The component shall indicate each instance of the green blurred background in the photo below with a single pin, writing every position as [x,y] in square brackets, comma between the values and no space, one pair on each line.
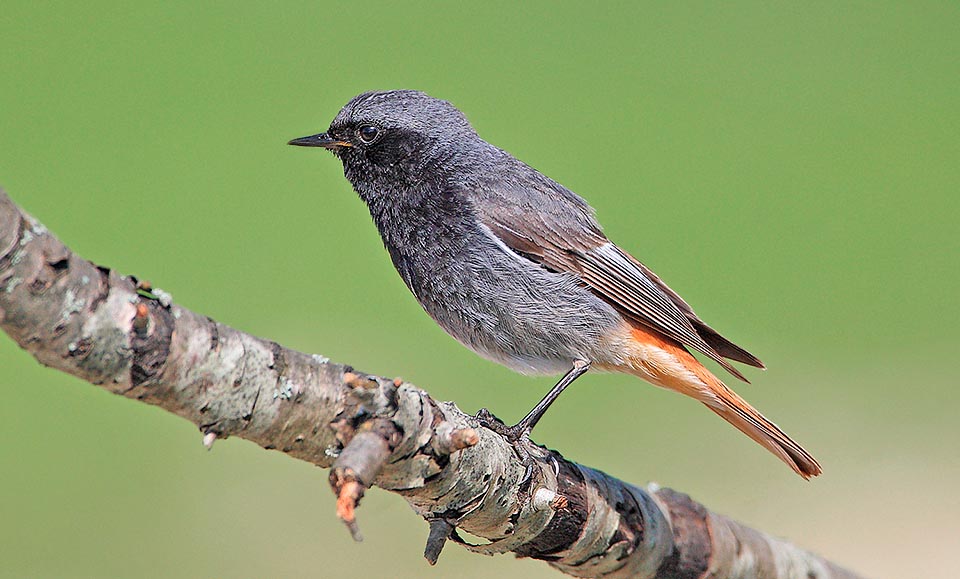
[792,171]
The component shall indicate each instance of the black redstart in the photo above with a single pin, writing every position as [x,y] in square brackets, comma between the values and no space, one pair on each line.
[515,266]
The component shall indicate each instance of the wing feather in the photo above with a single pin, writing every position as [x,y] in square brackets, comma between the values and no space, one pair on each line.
[553,227]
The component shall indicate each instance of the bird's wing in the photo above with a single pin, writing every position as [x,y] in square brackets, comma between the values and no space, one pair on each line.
[549,225]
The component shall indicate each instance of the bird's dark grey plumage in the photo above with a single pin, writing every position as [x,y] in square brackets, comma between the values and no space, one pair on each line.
[506,260]
[515,266]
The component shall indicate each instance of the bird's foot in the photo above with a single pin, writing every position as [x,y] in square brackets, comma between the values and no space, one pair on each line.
[517,435]
[514,434]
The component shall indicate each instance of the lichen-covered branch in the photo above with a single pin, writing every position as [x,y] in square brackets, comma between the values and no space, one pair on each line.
[119,333]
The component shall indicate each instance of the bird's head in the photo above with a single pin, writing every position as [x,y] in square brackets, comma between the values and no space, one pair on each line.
[393,139]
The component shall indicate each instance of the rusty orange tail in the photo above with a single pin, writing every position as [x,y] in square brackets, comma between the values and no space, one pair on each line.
[666,363]
[739,413]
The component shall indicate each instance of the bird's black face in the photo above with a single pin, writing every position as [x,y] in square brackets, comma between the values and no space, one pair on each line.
[388,140]
[378,152]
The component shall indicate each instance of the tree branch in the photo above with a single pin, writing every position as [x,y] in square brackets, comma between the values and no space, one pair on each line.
[118,333]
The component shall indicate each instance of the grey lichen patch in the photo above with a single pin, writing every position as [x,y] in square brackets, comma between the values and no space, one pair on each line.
[320,359]
[12,284]
[286,389]
[35,226]
[18,256]
[108,327]
[72,303]
[165,298]
[22,251]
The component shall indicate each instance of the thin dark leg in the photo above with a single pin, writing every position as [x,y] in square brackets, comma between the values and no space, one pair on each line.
[523,428]
[529,421]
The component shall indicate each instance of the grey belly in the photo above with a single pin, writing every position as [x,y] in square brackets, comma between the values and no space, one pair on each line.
[512,311]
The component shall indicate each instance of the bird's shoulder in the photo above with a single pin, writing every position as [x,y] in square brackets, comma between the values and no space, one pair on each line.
[529,210]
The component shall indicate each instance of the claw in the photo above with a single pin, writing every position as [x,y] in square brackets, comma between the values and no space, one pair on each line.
[514,433]
[488,420]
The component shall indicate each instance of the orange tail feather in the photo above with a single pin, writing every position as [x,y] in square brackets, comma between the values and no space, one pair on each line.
[666,363]
[739,413]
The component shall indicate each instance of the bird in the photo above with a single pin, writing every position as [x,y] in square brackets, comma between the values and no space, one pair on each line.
[516,266]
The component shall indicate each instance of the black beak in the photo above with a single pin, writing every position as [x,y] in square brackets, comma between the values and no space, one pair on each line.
[322,140]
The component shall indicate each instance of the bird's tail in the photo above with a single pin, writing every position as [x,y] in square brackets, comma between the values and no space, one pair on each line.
[735,410]
[666,363]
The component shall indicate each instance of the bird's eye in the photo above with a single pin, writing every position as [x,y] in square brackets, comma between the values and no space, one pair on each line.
[368,133]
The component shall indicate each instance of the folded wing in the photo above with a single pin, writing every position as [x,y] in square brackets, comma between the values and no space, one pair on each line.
[551,226]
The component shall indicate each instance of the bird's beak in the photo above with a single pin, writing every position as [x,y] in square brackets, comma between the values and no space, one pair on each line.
[322,140]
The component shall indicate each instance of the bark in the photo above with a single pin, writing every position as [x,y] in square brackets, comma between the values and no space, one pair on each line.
[119,333]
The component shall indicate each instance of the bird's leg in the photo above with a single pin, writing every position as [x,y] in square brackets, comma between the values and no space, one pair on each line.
[528,422]
[521,430]
[519,434]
